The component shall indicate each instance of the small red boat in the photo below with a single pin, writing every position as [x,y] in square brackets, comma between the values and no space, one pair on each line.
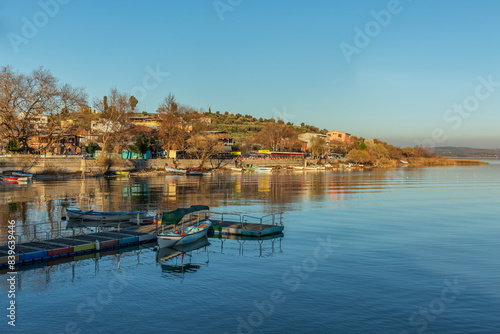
[13,179]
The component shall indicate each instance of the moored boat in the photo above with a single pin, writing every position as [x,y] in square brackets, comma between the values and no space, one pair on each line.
[120,173]
[104,216]
[175,170]
[13,179]
[263,169]
[22,174]
[184,235]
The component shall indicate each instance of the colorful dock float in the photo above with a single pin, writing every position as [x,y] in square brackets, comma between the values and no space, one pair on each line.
[244,225]
[244,229]
[78,245]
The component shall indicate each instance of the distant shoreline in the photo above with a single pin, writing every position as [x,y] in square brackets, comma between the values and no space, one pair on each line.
[471,157]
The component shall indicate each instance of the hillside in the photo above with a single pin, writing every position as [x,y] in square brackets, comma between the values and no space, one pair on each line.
[450,151]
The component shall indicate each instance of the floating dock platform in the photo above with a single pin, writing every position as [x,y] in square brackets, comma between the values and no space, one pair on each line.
[244,229]
[42,250]
[245,226]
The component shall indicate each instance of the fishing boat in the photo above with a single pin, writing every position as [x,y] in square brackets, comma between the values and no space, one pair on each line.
[318,167]
[22,174]
[263,169]
[120,173]
[184,235]
[236,169]
[13,179]
[104,216]
[175,170]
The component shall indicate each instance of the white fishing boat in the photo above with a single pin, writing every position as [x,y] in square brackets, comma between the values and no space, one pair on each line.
[22,174]
[184,235]
[236,169]
[175,170]
[263,169]
[104,216]
[318,167]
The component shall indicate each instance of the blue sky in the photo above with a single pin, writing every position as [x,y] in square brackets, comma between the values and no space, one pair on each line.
[282,59]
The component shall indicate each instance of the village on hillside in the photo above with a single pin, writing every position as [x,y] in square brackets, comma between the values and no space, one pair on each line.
[40,116]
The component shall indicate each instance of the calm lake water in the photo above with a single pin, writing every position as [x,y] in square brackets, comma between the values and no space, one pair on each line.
[381,251]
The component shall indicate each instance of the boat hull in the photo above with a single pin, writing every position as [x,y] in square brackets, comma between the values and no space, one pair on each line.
[167,241]
[104,216]
[192,234]
[13,179]
[22,174]
[174,170]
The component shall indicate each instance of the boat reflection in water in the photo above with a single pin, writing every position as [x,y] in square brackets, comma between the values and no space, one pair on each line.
[248,243]
[177,260]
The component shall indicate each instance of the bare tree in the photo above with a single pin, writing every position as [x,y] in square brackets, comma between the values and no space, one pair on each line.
[203,146]
[275,135]
[114,120]
[317,146]
[174,130]
[30,104]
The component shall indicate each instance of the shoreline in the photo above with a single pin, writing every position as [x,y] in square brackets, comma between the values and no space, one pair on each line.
[77,167]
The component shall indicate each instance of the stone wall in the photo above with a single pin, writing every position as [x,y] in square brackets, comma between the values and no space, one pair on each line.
[76,164]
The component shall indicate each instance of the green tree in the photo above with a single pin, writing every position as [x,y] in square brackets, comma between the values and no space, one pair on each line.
[105,103]
[133,102]
[142,144]
[12,146]
[92,147]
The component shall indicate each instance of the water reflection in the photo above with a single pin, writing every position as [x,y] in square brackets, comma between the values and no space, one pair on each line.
[178,260]
[46,201]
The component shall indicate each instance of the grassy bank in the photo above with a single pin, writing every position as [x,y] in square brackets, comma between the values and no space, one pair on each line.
[440,161]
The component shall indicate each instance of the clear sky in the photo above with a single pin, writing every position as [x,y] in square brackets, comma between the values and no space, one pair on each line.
[419,71]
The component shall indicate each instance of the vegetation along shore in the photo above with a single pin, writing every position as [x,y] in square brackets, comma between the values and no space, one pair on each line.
[41,118]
